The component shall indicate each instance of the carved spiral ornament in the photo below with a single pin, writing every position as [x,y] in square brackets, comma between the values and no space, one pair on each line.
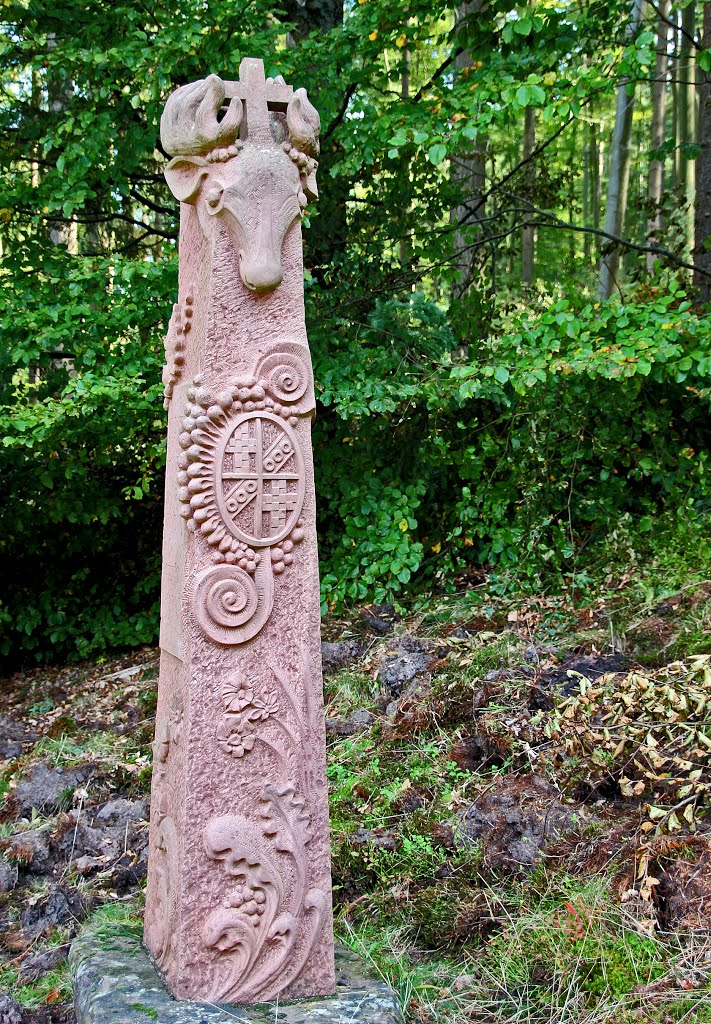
[286,376]
[230,604]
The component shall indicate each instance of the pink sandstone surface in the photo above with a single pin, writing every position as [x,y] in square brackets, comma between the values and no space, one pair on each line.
[239,891]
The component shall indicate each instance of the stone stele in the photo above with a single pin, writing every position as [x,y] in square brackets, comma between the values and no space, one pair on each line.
[239,889]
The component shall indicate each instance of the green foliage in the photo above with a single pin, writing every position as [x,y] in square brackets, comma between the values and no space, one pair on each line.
[455,427]
[559,426]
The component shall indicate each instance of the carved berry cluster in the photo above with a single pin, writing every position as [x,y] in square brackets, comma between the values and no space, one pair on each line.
[282,554]
[180,326]
[249,900]
[307,166]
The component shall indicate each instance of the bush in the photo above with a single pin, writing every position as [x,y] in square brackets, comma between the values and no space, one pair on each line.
[431,457]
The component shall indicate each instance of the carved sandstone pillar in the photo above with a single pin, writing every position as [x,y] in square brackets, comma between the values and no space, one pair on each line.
[239,891]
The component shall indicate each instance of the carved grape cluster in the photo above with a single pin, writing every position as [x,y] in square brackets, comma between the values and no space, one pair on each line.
[249,900]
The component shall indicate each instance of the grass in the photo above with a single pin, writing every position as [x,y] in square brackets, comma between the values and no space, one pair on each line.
[563,955]
[459,940]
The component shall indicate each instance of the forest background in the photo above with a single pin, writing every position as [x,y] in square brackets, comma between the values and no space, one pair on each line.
[507,287]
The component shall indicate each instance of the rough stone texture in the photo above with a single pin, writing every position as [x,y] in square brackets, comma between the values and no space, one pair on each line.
[45,789]
[31,852]
[356,722]
[338,654]
[37,964]
[116,983]
[10,1012]
[517,820]
[238,905]
[15,737]
[409,660]
[8,875]
[61,905]
[122,812]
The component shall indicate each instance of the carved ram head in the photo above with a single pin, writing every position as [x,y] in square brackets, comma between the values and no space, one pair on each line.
[259,187]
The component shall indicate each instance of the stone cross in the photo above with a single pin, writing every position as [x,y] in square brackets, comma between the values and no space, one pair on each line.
[238,905]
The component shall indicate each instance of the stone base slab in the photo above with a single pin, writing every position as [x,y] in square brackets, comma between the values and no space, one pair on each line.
[115,982]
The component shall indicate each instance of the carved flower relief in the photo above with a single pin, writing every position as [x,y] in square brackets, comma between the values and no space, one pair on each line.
[244,710]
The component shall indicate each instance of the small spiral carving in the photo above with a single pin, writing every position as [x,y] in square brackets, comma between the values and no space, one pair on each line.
[226,599]
[286,376]
[231,605]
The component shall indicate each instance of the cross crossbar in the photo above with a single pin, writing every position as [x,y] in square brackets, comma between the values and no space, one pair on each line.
[259,96]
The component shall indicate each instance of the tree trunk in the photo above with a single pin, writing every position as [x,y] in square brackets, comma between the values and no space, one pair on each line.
[655,184]
[527,241]
[59,95]
[328,241]
[586,194]
[405,94]
[468,170]
[702,224]
[686,87]
[594,169]
[676,96]
[619,170]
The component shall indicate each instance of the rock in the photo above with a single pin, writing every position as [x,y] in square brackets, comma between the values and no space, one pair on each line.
[15,737]
[39,963]
[113,975]
[8,875]
[517,820]
[369,837]
[31,852]
[336,655]
[410,660]
[45,789]
[122,812]
[61,905]
[361,719]
[592,666]
[86,865]
[356,722]
[77,839]
[379,618]
[10,1012]
[129,871]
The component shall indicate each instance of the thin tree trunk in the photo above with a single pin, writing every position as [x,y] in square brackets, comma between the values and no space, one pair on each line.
[571,203]
[405,95]
[527,240]
[468,170]
[59,96]
[702,222]
[619,172]
[655,184]
[586,194]
[687,109]
[594,169]
[677,96]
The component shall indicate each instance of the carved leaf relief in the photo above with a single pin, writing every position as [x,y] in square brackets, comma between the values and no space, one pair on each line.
[263,932]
